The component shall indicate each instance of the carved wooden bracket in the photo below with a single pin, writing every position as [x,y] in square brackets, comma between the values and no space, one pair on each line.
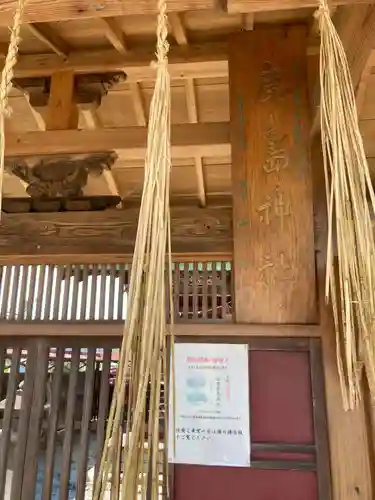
[52,177]
[89,89]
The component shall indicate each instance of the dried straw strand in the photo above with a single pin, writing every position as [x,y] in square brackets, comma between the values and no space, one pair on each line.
[143,359]
[6,84]
[350,283]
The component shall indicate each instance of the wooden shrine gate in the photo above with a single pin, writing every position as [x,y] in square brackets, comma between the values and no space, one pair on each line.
[56,387]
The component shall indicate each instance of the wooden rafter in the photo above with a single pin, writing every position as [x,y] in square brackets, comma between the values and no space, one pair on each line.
[47,35]
[179,32]
[204,139]
[115,34]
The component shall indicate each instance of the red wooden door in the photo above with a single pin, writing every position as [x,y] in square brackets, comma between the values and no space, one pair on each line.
[289,459]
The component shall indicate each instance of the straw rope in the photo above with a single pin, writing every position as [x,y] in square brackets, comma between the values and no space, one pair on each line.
[144,343]
[350,282]
[6,84]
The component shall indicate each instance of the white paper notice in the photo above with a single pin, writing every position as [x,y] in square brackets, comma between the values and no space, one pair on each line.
[211,405]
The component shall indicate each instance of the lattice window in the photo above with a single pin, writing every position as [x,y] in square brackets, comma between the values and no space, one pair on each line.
[201,292]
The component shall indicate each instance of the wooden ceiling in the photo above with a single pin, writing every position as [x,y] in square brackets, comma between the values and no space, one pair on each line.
[99,40]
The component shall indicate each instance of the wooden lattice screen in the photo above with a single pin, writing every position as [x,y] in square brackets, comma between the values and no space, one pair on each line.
[201,292]
[54,407]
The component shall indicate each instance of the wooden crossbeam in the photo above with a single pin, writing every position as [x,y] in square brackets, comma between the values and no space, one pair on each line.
[184,62]
[109,236]
[50,38]
[38,11]
[243,6]
[204,139]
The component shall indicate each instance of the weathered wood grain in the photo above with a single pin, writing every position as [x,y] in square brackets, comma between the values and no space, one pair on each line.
[195,60]
[243,6]
[108,236]
[350,456]
[45,11]
[62,112]
[271,178]
[225,331]
[187,140]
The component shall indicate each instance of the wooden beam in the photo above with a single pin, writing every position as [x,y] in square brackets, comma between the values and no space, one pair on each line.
[38,11]
[178,28]
[62,112]
[47,35]
[273,232]
[243,6]
[116,329]
[109,236]
[350,458]
[205,139]
[248,21]
[184,62]
[114,34]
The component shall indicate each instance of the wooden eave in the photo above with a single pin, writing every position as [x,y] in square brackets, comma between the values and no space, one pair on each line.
[95,41]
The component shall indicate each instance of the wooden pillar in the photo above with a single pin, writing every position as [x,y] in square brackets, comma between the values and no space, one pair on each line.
[273,223]
[348,432]
[272,192]
[62,111]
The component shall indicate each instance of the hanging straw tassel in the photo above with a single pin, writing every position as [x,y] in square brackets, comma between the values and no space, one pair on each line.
[143,358]
[6,84]
[350,198]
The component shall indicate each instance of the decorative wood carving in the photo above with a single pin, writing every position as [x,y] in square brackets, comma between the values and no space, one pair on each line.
[51,177]
[110,235]
[84,203]
[89,89]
